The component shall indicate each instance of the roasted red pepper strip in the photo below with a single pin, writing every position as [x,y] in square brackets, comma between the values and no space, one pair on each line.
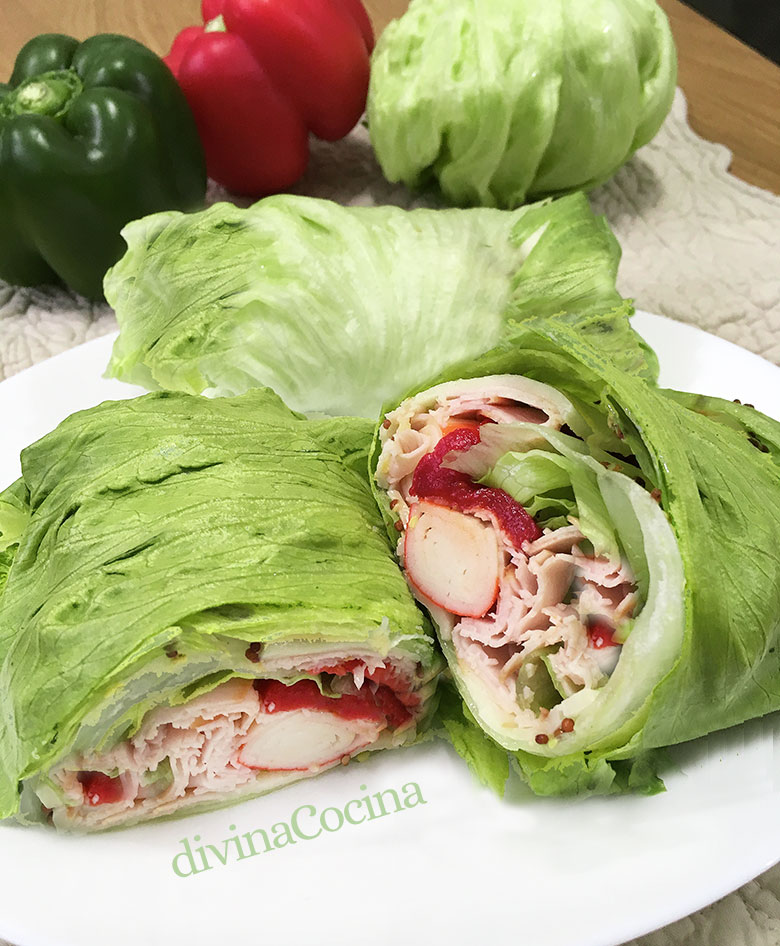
[100,789]
[262,74]
[601,634]
[277,697]
[456,490]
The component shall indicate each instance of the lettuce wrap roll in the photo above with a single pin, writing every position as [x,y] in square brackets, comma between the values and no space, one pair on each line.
[599,557]
[200,605]
[230,299]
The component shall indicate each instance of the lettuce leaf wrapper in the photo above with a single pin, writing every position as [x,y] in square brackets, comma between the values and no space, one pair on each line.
[174,543]
[508,99]
[339,309]
[486,759]
[713,467]
[760,431]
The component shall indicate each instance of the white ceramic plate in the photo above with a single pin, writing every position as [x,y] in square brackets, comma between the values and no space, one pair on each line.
[448,862]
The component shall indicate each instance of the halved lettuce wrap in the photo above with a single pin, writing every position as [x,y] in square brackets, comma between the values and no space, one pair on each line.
[340,308]
[599,558]
[202,605]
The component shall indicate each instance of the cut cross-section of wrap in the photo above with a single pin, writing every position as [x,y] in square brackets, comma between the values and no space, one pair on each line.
[604,578]
[549,575]
[201,605]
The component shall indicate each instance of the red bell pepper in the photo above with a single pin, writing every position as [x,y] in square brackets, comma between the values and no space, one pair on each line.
[261,74]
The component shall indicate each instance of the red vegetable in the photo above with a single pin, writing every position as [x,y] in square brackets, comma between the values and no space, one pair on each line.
[305,694]
[601,634]
[100,789]
[261,74]
[456,490]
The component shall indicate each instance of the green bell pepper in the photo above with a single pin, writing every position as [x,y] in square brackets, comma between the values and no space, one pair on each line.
[92,135]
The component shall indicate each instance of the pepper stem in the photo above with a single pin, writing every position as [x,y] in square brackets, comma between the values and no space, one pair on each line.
[48,94]
[217,25]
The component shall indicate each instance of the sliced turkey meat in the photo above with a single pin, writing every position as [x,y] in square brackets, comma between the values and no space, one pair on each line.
[241,738]
[532,614]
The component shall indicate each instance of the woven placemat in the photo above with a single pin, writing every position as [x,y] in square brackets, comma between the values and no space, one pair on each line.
[699,246]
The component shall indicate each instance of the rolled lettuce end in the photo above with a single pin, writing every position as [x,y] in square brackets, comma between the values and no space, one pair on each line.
[202,606]
[231,299]
[713,466]
[553,578]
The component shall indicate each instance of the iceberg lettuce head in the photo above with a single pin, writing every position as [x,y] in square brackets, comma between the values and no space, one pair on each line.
[520,99]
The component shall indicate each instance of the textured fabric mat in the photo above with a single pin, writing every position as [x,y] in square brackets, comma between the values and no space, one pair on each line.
[699,245]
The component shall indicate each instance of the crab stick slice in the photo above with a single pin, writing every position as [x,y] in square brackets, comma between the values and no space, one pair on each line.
[452,558]
[300,729]
[302,740]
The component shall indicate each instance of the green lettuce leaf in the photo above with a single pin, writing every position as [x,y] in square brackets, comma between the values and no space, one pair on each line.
[760,431]
[531,474]
[587,774]
[488,761]
[6,560]
[14,513]
[339,309]
[500,101]
[167,533]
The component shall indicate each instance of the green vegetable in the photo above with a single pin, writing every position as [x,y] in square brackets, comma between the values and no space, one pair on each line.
[231,299]
[168,533]
[529,476]
[506,100]
[760,431]
[488,762]
[722,497]
[92,135]
[537,676]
